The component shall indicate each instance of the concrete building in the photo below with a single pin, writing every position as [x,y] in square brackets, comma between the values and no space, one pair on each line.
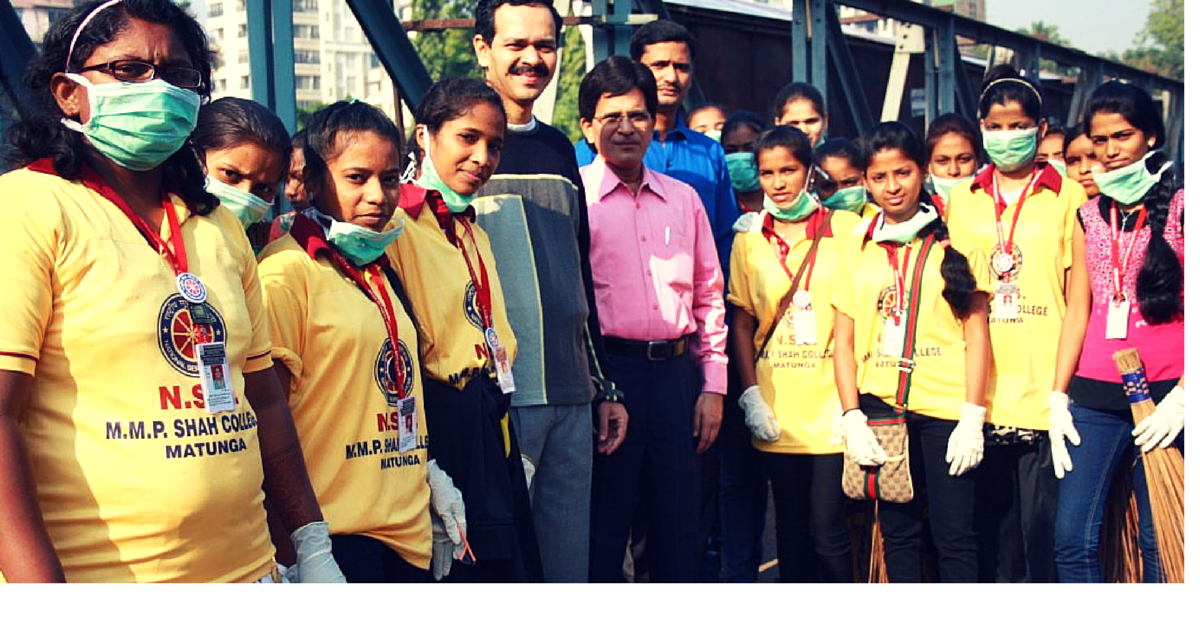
[37,15]
[333,58]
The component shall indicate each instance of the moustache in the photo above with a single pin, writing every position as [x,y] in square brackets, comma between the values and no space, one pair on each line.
[536,70]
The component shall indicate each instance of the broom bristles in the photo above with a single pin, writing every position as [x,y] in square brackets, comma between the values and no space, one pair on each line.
[1164,471]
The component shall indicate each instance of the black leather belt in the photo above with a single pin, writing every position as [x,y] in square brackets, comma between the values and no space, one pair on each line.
[658,350]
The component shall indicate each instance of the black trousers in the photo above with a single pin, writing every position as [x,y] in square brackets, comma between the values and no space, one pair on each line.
[367,560]
[1014,513]
[657,463]
[812,539]
[951,503]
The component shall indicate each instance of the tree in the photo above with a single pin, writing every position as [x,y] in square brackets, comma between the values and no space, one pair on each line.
[572,61]
[1160,42]
[447,52]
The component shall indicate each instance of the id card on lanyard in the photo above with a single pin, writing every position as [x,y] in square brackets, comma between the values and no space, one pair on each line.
[216,383]
[1006,302]
[803,316]
[483,290]
[1117,323]
[406,405]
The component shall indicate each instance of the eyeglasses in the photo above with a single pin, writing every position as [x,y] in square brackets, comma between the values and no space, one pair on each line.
[128,71]
[639,119]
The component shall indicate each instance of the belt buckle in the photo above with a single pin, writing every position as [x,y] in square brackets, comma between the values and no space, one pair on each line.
[651,354]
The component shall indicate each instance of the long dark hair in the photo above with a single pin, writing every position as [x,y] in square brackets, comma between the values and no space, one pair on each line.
[956,271]
[41,135]
[1160,282]
[1004,84]
[322,135]
[228,122]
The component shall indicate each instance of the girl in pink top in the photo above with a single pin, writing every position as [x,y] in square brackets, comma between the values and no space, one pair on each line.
[1125,291]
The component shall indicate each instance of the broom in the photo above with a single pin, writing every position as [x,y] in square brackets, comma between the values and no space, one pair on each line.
[1164,471]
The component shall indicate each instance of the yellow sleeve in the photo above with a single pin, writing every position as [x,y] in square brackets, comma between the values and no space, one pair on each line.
[739,282]
[286,312]
[1074,197]
[29,247]
[848,256]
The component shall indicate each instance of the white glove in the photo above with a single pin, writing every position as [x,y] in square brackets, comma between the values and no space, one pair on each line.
[449,513]
[744,223]
[443,549]
[837,428]
[861,443]
[314,555]
[759,417]
[1062,428]
[527,466]
[1161,427]
[964,451]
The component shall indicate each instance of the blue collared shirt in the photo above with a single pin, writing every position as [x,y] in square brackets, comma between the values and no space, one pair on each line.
[700,162]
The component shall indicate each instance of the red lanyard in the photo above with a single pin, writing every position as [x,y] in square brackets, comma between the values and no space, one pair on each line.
[811,228]
[482,289]
[897,275]
[383,303]
[176,253]
[998,200]
[1121,265]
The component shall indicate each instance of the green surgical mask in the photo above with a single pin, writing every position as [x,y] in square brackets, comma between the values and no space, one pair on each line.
[802,207]
[848,199]
[246,206]
[1129,184]
[430,179]
[358,244]
[942,185]
[743,172]
[904,232]
[713,134]
[1011,150]
[138,126]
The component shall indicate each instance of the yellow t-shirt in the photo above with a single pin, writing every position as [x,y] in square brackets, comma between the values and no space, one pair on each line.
[343,396]
[1024,350]
[136,480]
[796,380]
[445,303]
[939,377]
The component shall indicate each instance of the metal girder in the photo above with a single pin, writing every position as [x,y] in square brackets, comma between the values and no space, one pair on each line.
[395,51]
[944,55]
[809,28]
[262,71]
[910,40]
[962,88]
[17,49]
[847,73]
[284,61]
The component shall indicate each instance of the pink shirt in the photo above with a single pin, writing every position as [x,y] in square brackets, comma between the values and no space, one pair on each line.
[1160,346]
[655,266]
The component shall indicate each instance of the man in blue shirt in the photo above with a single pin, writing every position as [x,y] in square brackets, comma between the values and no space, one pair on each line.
[677,151]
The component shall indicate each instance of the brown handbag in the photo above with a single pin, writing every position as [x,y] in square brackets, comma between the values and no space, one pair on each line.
[892,481]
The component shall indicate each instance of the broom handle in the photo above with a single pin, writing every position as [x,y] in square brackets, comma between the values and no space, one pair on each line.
[1133,380]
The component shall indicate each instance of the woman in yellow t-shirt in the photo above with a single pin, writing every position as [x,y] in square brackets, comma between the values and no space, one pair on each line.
[878,306]
[245,149]
[1022,213]
[953,151]
[125,289]
[467,344]
[346,352]
[790,402]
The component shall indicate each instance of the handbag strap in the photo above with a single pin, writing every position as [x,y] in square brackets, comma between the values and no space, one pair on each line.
[904,383]
[781,310]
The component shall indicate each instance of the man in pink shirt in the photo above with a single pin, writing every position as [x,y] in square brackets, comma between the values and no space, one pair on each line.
[658,289]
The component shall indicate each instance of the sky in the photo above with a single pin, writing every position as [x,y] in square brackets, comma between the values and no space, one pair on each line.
[1093,26]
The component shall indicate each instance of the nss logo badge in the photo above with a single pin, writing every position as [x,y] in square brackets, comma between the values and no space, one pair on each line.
[181,326]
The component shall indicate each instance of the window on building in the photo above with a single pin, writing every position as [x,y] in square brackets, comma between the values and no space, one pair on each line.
[221,84]
[306,31]
[219,33]
[243,56]
[216,9]
[316,82]
[241,31]
[308,56]
[304,6]
[245,82]
[241,6]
